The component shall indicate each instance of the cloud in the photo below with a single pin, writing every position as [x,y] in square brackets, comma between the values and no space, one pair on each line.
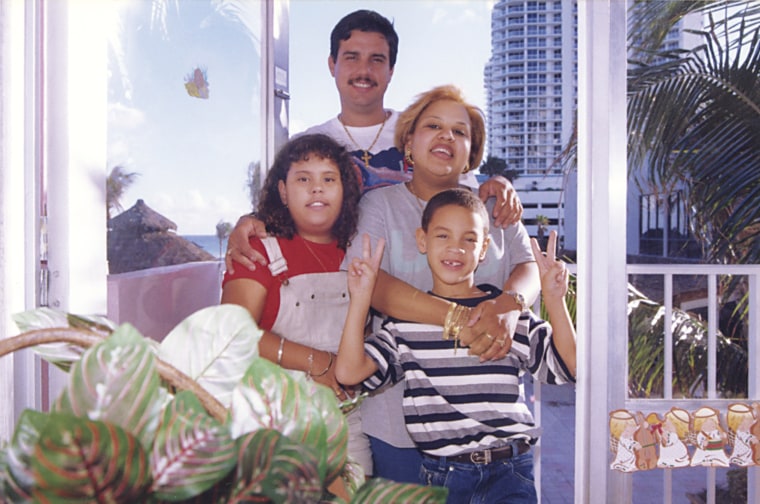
[195,212]
[123,117]
[454,13]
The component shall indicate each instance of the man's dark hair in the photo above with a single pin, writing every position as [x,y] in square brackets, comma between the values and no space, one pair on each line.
[366,21]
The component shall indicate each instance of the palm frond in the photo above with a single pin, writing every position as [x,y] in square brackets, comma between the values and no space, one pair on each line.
[694,121]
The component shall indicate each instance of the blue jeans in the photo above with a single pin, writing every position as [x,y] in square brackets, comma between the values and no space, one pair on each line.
[502,481]
[401,465]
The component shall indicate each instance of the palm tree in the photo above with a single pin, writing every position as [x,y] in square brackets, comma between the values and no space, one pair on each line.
[494,165]
[253,183]
[223,230]
[694,120]
[117,183]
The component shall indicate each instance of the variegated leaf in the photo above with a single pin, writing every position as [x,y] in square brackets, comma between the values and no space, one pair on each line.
[381,491]
[62,355]
[336,447]
[16,477]
[116,381]
[79,460]
[270,398]
[277,467]
[192,451]
[47,318]
[214,346]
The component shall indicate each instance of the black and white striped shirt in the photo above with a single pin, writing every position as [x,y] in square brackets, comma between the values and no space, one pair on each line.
[454,404]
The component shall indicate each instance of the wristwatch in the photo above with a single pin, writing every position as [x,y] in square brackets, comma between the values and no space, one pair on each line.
[519,299]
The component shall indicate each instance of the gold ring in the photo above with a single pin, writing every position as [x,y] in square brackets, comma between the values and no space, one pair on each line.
[502,342]
[337,392]
[490,338]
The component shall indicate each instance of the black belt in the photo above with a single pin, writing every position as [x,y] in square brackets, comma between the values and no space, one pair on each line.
[486,456]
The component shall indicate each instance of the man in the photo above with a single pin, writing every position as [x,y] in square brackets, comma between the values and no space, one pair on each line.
[363,50]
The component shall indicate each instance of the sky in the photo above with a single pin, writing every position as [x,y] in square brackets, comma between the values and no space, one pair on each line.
[192,154]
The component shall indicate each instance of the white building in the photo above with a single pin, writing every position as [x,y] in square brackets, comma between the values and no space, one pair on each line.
[531,85]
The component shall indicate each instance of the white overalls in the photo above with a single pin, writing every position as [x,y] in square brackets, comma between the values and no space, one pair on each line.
[312,312]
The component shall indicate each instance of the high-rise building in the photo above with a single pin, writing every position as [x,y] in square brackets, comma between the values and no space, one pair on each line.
[531,88]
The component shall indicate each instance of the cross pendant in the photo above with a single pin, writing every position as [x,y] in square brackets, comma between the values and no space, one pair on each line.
[366,157]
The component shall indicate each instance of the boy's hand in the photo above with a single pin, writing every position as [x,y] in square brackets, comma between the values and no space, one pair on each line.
[362,273]
[554,274]
[238,245]
[508,209]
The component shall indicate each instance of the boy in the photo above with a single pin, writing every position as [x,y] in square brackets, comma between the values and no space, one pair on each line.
[468,418]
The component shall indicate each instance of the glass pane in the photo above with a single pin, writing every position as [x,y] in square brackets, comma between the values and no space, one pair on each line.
[184,131]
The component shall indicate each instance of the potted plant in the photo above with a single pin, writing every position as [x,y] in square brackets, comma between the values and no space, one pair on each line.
[199,417]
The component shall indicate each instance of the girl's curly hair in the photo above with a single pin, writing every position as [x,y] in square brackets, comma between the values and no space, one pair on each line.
[276,215]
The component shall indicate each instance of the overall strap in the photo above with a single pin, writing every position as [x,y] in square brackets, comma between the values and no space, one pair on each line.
[277,263]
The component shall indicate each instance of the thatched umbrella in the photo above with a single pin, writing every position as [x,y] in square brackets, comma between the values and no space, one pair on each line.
[142,238]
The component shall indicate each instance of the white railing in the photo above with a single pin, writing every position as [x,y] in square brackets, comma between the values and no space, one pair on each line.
[706,478]
[554,454]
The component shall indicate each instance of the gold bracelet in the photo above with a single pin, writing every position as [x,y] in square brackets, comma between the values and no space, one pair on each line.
[448,320]
[324,372]
[456,318]
[279,351]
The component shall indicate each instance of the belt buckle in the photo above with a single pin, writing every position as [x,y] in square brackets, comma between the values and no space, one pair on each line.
[481,457]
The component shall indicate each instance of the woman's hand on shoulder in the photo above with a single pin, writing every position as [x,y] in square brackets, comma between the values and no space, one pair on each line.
[239,247]
[508,209]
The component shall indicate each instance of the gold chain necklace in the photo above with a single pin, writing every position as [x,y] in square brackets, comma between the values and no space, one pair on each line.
[366,156]
[311,251]
[416,198]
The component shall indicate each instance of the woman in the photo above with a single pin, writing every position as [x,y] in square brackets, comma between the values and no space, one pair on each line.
[442,136]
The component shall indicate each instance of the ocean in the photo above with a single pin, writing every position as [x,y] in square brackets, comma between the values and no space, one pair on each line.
[209,243]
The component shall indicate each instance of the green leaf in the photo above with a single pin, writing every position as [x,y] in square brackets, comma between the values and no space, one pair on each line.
[192,451]
[381,491]
[116,381]
[89,461]
[277,467]
[214,346]
[336,444]
[16,478]
[269,397]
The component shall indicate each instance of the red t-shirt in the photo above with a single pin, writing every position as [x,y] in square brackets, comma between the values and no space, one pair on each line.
[302,257]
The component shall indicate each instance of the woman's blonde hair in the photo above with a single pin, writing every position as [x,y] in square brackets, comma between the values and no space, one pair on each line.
[407,120]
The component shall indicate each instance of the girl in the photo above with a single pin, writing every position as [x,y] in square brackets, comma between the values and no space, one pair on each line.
[309,205]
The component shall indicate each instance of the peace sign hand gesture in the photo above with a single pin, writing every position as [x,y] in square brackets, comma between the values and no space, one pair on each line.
[554,274]
[362,273]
